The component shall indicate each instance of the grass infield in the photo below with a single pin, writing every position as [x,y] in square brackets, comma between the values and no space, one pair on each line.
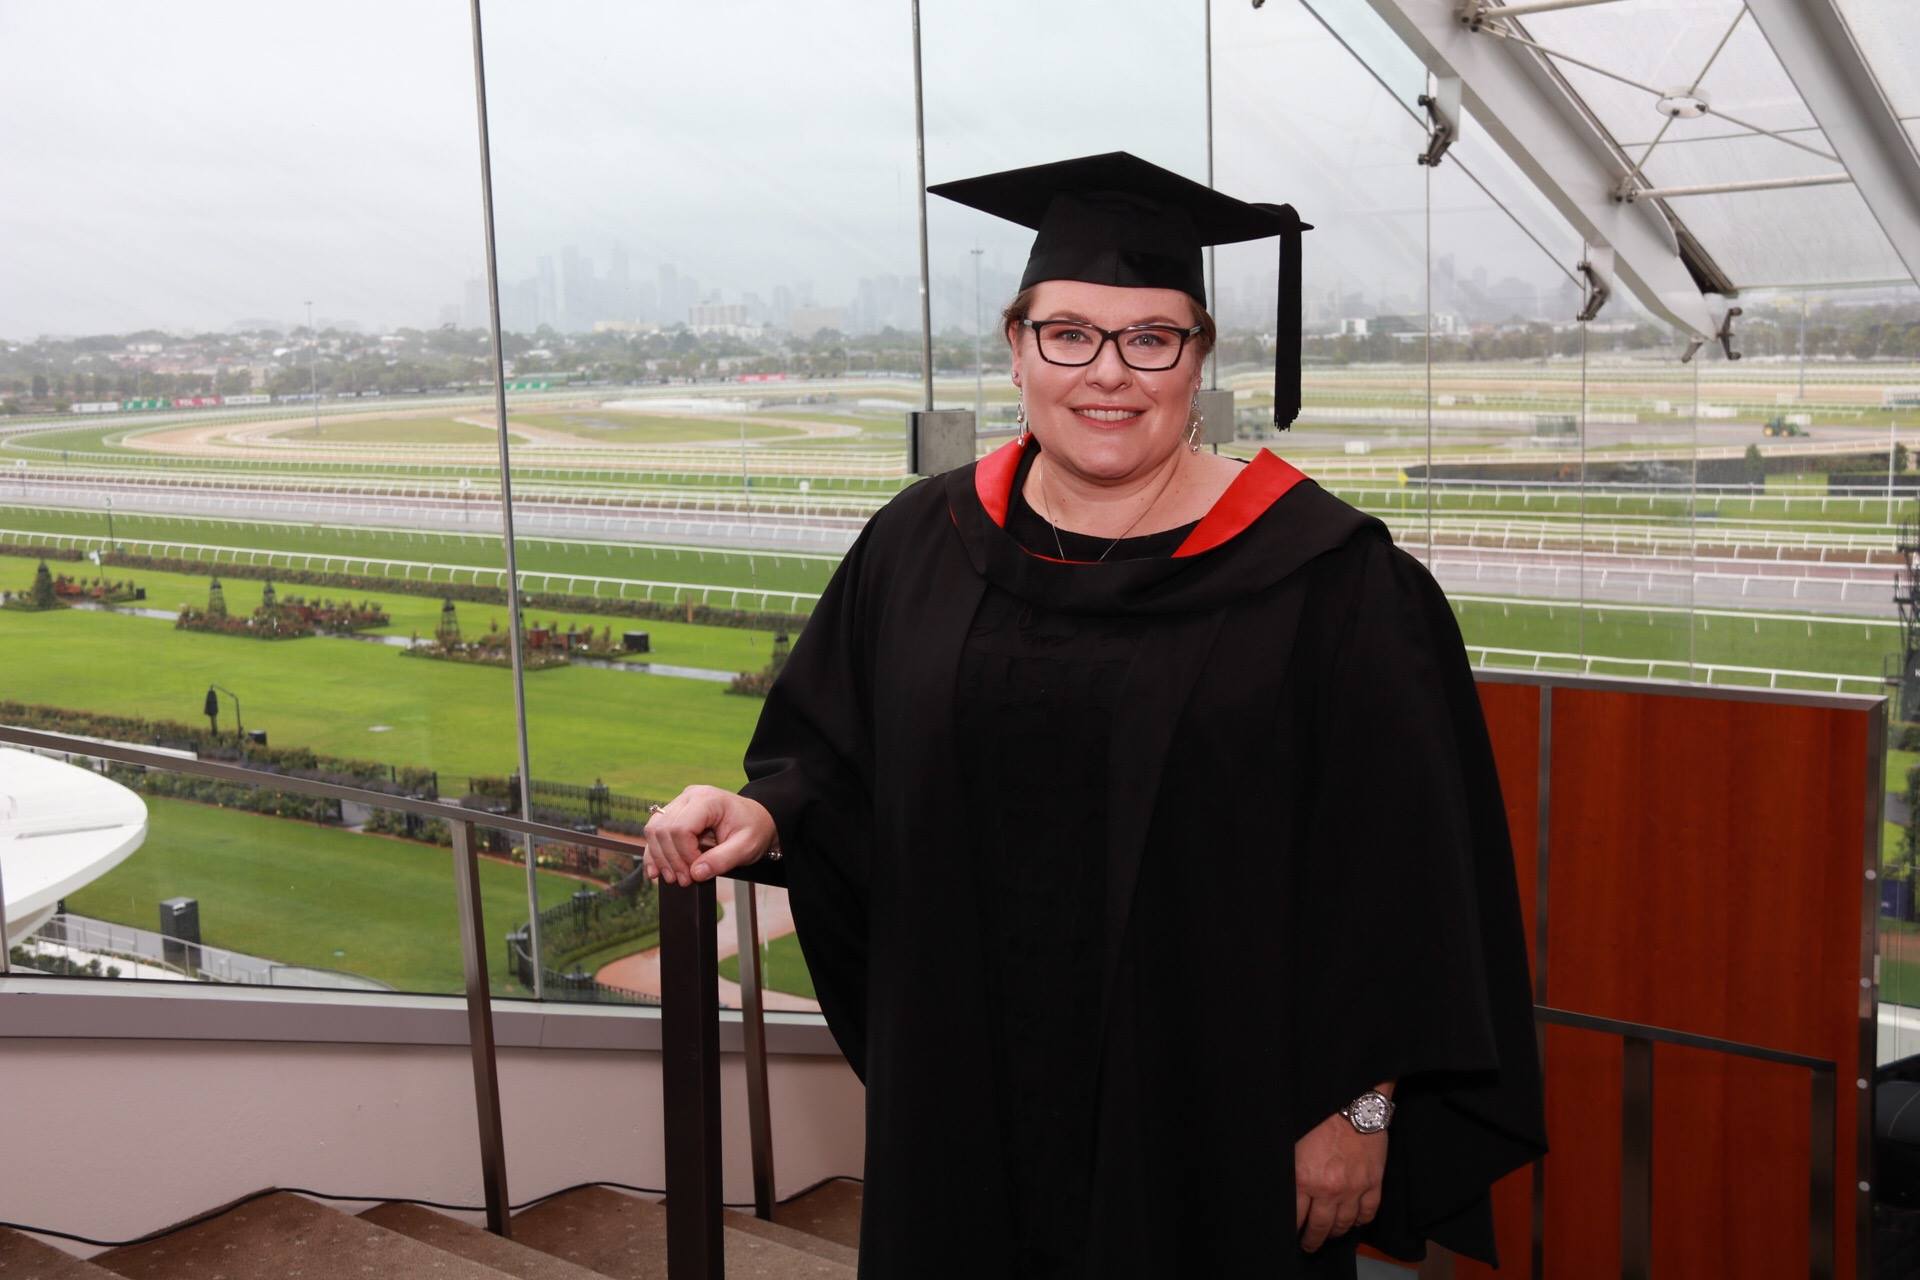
[317,896]
[785,967]
[643,735]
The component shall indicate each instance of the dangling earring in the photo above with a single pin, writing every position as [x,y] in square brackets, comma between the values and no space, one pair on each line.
[1195,421]
[1020,418]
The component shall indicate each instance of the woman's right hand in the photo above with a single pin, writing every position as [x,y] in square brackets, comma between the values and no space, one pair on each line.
[704,832]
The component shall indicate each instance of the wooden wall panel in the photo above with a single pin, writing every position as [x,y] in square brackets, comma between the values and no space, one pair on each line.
[1704,860]
[1513,726]
[1705,866]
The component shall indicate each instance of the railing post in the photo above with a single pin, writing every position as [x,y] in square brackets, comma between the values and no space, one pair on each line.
[1823,1206]
[690,1079]
[486,1075]
[753,1030]
[1636,1158]
[6,946]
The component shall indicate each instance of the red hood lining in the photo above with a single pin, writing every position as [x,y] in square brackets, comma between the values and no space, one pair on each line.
[1261,483]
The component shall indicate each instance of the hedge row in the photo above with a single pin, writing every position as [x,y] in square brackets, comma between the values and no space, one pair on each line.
[708,615]
[298,762]
[226,795]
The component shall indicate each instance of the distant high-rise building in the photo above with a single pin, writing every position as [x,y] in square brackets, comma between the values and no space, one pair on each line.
[805,322]
[549,291]
[473,305]
[577,301]
[619,283]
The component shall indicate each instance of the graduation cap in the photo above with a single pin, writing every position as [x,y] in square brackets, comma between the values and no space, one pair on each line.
[1116,219]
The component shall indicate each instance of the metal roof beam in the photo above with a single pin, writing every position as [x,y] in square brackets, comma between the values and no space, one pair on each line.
[1838,85]
[1477,11]
[1543,133]
[1631,192]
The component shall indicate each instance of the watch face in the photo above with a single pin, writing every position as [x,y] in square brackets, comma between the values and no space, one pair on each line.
[1368,1113]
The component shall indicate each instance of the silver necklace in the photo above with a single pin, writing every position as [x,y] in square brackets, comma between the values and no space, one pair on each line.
[1047,505]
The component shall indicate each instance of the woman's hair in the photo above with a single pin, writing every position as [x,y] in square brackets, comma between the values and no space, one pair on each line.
[1022,306]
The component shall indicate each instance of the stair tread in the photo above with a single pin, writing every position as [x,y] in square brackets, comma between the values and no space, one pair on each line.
[625,1237]
[24,1258]
[476,1244]
[793,1238]
[830,1211]
[288,1237]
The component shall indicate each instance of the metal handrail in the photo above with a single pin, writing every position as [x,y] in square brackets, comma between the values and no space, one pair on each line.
[1636,1132]
[689,1009]
[125,754]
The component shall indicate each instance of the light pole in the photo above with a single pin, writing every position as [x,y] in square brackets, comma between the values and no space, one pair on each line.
[1803,348]
[313,369]
[979,379]
[213,709]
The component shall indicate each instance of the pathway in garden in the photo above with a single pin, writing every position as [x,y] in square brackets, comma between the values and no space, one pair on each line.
[641,971]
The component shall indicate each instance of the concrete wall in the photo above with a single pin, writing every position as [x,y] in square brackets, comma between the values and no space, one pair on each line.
[112,1135]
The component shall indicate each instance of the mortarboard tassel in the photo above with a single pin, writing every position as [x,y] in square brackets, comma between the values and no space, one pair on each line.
[1286,332]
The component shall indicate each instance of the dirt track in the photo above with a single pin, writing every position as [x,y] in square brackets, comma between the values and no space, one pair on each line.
[269,440]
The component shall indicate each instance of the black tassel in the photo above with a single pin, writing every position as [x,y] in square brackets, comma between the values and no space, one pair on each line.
[1286,331]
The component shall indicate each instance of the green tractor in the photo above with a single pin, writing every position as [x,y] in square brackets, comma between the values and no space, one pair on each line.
[1785,424]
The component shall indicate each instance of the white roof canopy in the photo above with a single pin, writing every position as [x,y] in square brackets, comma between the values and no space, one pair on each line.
[60,827]
[1713,145]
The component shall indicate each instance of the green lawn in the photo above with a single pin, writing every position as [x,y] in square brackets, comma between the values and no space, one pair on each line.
[311,895]
[785,967]
[644,735]
[1898,763]
[678,643]
[1841,647]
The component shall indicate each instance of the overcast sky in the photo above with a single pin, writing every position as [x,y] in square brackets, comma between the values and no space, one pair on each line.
[192,164]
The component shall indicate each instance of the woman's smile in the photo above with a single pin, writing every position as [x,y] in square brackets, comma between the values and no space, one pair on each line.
[1104,416]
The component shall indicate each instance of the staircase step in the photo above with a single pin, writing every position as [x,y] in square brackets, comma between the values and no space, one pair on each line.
[476,1244]
[830,1211]
[24,1258]
[793,1238]
[625,1238]
[288,1237]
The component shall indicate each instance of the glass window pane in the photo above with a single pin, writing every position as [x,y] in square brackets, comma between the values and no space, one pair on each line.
[224,363]
[712,339]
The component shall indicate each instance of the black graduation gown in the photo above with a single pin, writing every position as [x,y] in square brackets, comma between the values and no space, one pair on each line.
[1310,886]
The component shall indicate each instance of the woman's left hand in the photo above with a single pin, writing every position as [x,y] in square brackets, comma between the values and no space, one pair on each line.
[1336,1180]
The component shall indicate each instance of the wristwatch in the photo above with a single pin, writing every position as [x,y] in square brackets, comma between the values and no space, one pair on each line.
[1371,1112]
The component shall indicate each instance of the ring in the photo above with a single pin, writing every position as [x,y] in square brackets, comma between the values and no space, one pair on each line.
[656,808]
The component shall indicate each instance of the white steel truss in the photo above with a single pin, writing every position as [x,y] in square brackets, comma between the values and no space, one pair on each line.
[1544,132]
[1835,81]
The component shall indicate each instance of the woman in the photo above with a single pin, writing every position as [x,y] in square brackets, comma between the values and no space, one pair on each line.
[1139,818]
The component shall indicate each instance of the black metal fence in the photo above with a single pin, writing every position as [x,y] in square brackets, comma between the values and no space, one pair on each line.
[590,921]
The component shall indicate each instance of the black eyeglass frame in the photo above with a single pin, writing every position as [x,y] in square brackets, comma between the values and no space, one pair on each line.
[1113,336]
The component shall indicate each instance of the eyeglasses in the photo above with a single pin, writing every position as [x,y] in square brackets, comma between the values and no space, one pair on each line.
[1146,347]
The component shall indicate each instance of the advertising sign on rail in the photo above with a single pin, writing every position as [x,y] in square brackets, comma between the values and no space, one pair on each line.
[246,400]
[145,403]
[195,402]
[95,406]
